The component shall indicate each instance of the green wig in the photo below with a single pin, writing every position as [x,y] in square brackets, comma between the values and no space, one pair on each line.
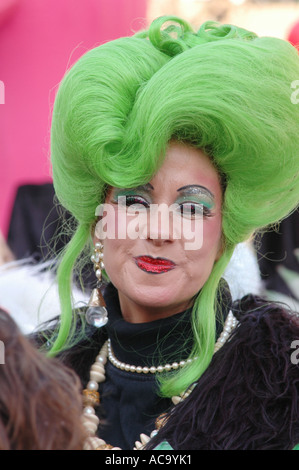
[222,89]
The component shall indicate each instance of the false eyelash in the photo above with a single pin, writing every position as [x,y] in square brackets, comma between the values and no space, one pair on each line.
[131,200]
[206,212]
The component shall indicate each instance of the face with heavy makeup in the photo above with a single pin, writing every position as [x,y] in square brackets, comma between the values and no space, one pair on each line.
[150,255]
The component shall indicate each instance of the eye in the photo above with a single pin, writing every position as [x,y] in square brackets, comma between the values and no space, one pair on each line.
[192,210]
[128,200]
[132,200]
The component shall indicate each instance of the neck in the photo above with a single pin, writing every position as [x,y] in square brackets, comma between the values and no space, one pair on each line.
[135,313]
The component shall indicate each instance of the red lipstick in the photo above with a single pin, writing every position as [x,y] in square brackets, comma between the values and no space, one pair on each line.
[154,265]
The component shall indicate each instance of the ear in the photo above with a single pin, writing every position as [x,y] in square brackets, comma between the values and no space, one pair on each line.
[94,237]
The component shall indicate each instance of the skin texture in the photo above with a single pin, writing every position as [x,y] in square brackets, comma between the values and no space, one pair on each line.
[146,296]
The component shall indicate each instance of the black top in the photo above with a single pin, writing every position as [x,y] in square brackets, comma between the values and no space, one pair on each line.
[130,401]
[246,399]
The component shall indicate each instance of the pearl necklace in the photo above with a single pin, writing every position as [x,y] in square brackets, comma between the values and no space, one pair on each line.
[91,397]
[144,370]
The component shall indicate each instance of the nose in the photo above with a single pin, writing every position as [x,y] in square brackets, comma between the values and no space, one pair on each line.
[159,227]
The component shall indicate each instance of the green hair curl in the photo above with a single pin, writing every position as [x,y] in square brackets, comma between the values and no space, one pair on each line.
[222,89]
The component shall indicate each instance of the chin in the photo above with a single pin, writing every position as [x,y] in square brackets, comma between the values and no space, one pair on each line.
[159,297]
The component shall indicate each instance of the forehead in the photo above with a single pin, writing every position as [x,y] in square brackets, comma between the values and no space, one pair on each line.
[185,164]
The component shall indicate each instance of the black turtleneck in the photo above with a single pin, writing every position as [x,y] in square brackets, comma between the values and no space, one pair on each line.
[151,343]
[130,401]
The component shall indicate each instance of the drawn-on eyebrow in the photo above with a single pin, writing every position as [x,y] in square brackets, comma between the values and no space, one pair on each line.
[143,187]
[196,189]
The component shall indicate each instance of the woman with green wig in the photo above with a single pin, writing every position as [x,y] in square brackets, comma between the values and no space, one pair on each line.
[170,148]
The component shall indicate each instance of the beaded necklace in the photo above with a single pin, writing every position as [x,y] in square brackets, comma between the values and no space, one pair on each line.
[91,397]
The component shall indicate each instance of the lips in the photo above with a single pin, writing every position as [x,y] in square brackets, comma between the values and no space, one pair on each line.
[154,265]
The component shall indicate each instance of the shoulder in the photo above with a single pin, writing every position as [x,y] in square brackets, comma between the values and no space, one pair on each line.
[263,339]
[260,320]
[248,396]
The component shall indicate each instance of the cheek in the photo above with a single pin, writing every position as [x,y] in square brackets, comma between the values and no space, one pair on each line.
[109,224]
[115,260]
[119,224]
[117,246]
[212,235]
[208,253]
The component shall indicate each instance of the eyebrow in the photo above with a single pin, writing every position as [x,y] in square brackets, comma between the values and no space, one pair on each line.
[145,187]
[189,189]
[142,187]
[197,189]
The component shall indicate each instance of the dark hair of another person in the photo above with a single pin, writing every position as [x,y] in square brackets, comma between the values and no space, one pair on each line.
[40,399]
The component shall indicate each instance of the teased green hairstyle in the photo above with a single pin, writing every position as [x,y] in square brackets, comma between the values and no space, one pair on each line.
[222,89]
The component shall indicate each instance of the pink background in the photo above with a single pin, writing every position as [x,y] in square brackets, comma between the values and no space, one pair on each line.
[39,39]
[293,35]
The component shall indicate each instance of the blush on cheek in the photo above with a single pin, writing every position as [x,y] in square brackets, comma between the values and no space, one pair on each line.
[213,233]
[119,221]
[111,224]
[205,256]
